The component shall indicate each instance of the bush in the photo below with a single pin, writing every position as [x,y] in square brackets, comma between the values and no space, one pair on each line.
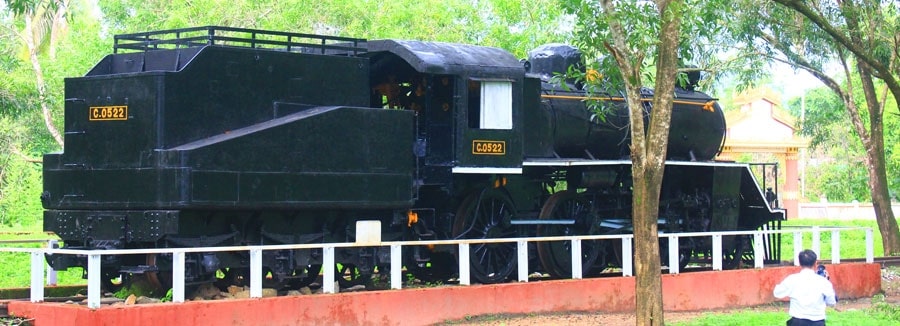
[20,190]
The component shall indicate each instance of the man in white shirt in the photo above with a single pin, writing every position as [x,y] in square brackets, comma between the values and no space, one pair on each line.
[809,292]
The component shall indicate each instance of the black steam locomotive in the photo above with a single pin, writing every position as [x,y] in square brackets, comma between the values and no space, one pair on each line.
[216,136]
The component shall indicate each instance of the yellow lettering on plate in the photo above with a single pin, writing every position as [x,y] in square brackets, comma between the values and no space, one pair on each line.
[107,113]
[488,147]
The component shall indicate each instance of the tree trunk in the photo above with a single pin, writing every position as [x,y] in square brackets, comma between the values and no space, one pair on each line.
[648,146]
[648,283]
[881,200]
[875,162]
[39,82]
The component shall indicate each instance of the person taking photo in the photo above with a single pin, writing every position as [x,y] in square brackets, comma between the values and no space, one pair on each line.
[809,291]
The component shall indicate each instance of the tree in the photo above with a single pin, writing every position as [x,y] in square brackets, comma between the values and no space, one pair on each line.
[631,32]
[43,21]
[853,33]
[835,174]
[865,28]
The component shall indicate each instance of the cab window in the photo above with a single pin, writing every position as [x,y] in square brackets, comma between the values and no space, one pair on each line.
[490,104]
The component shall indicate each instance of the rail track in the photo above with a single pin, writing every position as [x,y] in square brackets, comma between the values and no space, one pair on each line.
[892,261]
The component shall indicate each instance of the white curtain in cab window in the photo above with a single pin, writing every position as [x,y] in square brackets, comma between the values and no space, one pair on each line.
[496,105]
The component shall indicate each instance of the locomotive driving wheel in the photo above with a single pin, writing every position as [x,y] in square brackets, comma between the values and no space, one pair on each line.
[556,256]
[486,215]
[439,267]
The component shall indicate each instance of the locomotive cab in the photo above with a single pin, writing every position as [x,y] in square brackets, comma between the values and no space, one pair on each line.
[467,100]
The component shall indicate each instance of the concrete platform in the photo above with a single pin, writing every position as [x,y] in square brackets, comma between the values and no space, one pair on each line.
[683,292]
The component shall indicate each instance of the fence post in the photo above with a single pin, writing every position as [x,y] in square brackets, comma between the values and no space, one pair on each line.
[256,275]
[798,247]
[51,273]
[37,276]
[673,254]
[93,288]
[396,266]
[816,241]
[870,246]
[627,268]
[576,259]
[758,254]
[464,278]
[717,251]
[178,276]
[328,267]
[835,247]
[522,253]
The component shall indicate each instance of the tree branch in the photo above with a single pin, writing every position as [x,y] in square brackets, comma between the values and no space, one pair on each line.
[24,157]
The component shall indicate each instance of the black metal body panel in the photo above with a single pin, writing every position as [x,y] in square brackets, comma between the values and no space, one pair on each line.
[452,59]
[457,65]
[234,128]
[122,225]
[697,131]
[323,157]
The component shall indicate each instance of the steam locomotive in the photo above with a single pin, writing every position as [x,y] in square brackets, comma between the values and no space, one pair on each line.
[215,136]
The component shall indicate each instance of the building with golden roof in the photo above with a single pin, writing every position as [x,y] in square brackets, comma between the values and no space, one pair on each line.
[761,128]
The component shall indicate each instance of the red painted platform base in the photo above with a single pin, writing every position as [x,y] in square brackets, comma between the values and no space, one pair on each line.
[684,292]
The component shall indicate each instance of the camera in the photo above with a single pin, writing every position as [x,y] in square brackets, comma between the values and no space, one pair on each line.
[821,271]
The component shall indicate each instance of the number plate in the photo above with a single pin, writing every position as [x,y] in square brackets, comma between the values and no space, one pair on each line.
[488,147]
[106,113]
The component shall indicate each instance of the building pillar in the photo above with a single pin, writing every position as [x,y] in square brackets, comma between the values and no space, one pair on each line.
[791,195]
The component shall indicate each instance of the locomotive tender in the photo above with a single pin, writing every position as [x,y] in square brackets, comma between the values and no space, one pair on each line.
[215,136]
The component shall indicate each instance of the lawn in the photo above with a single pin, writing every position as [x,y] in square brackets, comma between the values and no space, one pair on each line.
[878,314]
[16,267]
[852,242]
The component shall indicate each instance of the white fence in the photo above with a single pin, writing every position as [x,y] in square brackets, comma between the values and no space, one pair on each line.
[841,211]
[396,277]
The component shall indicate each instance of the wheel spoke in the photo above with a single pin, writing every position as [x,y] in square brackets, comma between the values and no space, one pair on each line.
[483,216]
[556,256]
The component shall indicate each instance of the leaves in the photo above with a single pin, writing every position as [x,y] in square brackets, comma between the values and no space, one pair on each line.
[510,24]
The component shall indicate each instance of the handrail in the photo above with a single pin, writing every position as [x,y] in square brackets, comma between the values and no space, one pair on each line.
[241,37]
[178,256]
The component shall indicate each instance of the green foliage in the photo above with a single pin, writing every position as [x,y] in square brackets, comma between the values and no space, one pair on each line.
[16,267]
[138,289]
[167,297]
[20,194]
[837,172]
[884,310]
[706,42]
[20,181]
[510,24]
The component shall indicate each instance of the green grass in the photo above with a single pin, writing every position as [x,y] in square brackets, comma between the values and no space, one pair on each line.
[16,267]
[881,313]
[852,244]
